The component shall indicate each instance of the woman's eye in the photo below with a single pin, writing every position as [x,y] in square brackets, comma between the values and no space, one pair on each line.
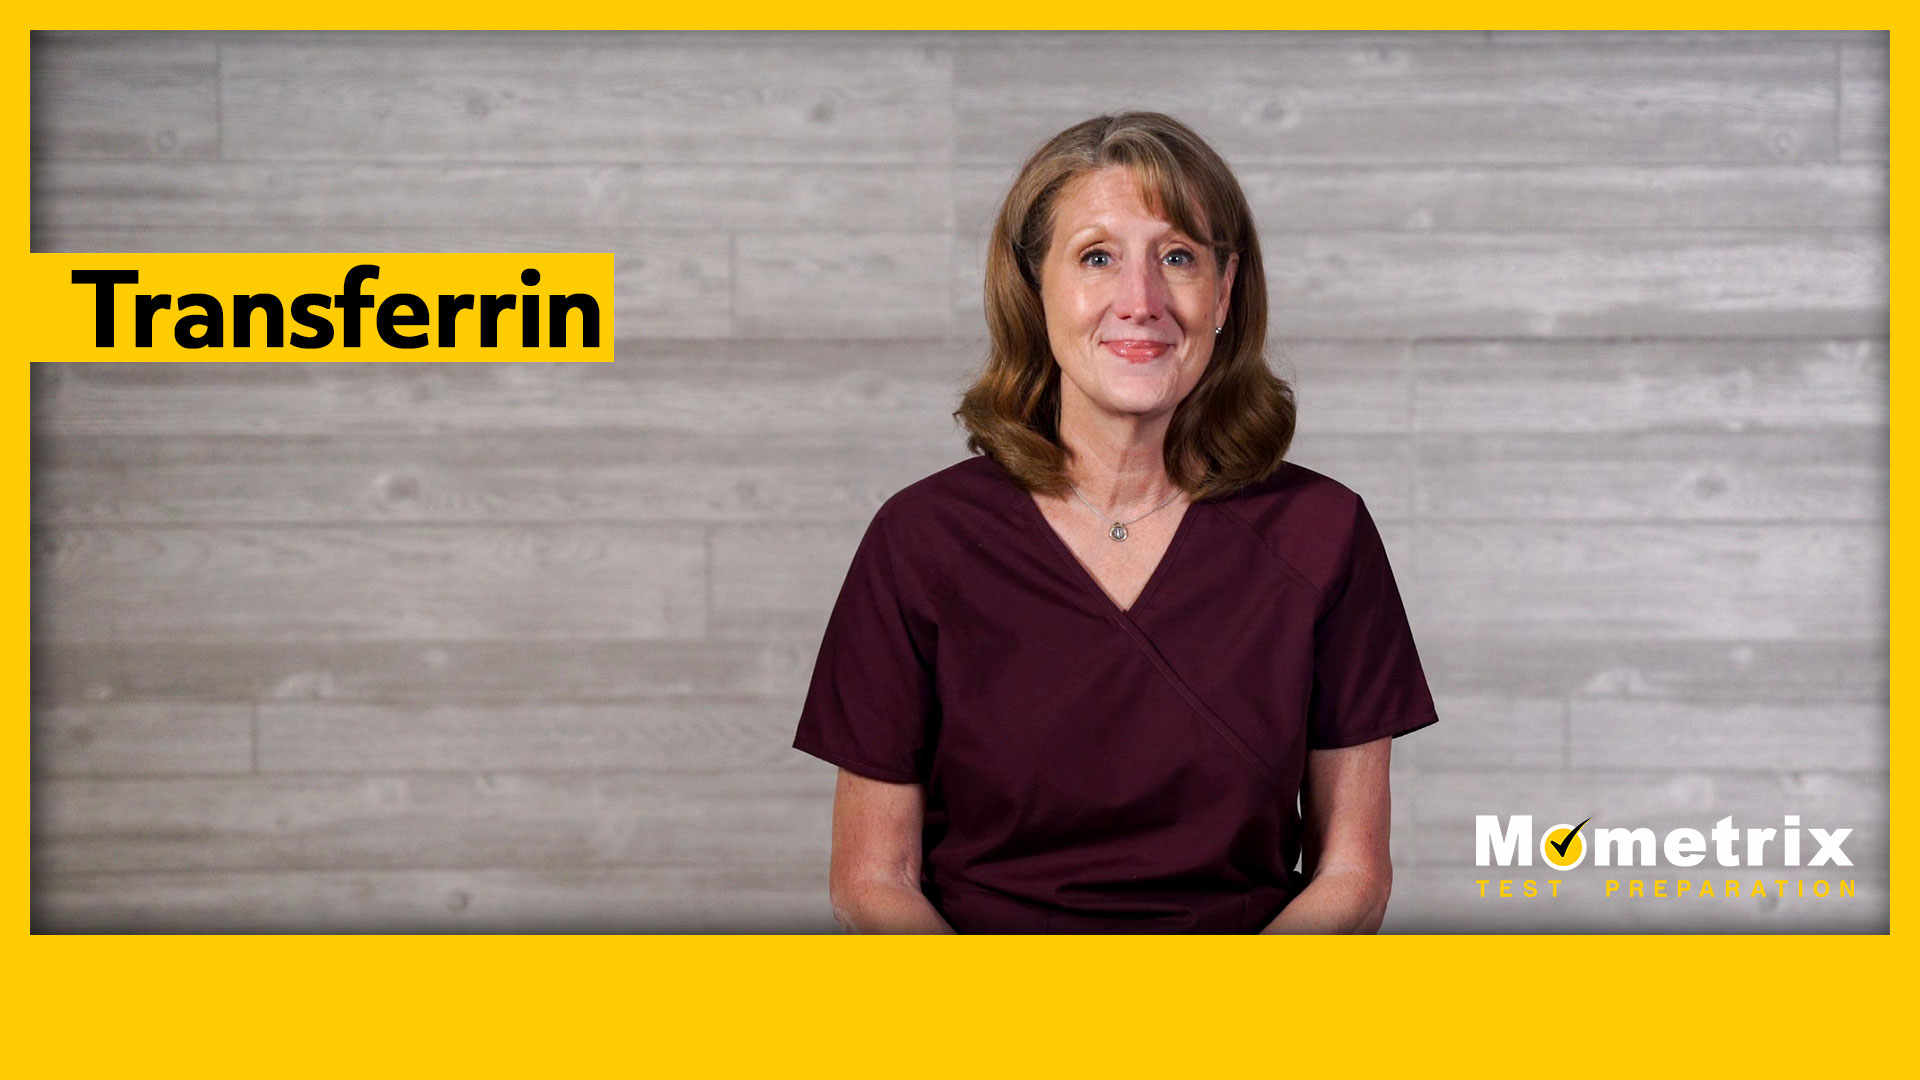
[1178,257]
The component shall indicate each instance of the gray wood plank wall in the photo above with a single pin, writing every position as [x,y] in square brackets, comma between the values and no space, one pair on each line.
[1597,324]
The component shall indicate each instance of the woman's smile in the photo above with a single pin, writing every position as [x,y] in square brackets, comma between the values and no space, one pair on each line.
[1136,351]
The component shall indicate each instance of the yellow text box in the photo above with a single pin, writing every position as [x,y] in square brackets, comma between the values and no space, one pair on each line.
[332,307]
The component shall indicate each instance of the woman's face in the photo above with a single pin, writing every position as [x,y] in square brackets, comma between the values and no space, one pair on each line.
[1131,302]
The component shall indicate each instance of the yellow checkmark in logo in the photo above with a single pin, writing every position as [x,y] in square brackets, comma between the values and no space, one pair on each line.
[1563,847]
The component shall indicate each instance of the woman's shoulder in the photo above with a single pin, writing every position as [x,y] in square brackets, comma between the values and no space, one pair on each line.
[975,480]
[1294,488]
[925,529]
[956,501]
[1305,517]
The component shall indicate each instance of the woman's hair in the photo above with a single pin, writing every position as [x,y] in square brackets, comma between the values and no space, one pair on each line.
[1233,429]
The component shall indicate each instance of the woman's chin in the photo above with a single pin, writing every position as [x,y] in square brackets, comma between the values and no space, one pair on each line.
[1136,406]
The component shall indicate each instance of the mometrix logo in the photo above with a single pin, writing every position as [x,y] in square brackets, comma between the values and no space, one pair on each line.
[1564,846]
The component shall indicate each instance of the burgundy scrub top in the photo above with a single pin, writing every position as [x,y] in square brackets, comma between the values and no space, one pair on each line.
[1090,769]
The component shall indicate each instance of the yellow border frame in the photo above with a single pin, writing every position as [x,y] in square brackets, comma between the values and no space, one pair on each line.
[1069,1006]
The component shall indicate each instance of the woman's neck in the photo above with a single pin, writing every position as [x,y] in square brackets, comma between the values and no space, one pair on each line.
[1117,462]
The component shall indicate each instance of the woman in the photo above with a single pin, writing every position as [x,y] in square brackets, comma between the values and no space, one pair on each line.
[1078,683]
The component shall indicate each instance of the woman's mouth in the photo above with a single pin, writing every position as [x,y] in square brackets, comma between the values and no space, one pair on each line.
[1135,351]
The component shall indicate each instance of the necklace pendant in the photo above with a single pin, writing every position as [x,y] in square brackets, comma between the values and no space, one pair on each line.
[1118,532]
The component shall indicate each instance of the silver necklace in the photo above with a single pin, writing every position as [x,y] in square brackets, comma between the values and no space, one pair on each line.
[1119,528]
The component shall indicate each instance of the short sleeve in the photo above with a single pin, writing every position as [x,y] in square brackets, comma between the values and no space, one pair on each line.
[871,705]
[1367,679]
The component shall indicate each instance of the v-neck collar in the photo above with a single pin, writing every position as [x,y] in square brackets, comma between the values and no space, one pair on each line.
[1036,518]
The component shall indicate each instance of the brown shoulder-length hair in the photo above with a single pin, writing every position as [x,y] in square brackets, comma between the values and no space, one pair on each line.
[1233,429]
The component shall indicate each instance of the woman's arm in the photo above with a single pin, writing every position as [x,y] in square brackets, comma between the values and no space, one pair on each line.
[1345,808]
[874,880]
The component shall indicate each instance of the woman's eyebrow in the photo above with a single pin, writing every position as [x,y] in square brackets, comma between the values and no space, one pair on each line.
[1172,233]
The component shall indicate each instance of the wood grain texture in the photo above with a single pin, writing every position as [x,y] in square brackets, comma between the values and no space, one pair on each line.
[741,389]
[789,898]
[1761,735]
[1519,198]
[1836,475]
[828,285]
[1752,101]
[1596,323]
[1658,283]
[214,583]
[584,98]
[1346,387]
[481,197]
[142,738]
[779,579]
[1514,198]
[1764,582]
[1863,100]
[440,821]
[506,672]
[1505,731]
[136,98]
[1627,387]
[672,735]
[1717,673]
[619,475]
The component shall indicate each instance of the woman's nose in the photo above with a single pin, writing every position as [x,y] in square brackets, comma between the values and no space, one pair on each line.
[1143,292]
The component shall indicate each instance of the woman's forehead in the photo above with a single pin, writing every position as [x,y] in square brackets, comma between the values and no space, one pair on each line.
[1111,189]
